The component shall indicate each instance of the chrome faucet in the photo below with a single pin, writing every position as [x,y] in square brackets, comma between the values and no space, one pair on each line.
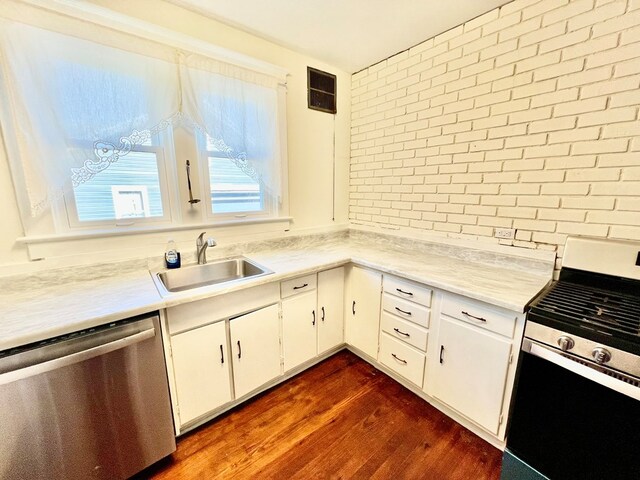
[201,248]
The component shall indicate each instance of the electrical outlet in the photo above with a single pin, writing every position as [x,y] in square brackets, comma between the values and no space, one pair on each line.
[507,233]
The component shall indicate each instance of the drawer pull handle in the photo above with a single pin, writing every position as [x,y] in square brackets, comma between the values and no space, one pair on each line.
[402,311]
[313,312]
[441,354]
[353,307]
[403,292]
[480,319]
[239,350]
[398,358]
[401,333]
[323,314]
[221,355]
[300,286]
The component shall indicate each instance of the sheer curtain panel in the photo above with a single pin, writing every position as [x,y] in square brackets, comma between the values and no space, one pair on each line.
[238,110]
[77,106]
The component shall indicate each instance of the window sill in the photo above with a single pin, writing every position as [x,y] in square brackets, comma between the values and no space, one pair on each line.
[133,230]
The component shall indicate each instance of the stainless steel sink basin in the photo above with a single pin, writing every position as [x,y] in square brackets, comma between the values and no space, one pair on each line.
[223,271]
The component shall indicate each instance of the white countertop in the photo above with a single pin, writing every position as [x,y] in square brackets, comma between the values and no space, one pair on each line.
[37,307]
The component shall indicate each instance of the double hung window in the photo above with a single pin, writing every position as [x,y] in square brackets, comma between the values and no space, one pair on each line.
[90,120]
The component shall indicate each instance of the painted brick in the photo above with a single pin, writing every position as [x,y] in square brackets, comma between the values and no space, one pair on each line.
[623,114]
[562,41]
[617,24]
[564,123]
[564,68]
[542,34]
[554,98]
[569,136]
[530,115]
[600,14]
[612,86]
[585,77]
[588,47]
[572,9]
[581,106]
[525,117]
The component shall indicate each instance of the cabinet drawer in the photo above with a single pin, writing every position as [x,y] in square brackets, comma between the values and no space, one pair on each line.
[406,331]
[407,290]
[402,359]
[407,310]
[298,285]
[481,315]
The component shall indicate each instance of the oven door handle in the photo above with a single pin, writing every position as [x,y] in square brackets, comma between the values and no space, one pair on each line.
[585,371]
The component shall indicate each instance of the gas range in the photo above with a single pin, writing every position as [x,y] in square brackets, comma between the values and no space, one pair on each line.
[576,407]
[593,314]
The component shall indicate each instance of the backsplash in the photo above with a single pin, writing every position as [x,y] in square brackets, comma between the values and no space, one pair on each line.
[525,117]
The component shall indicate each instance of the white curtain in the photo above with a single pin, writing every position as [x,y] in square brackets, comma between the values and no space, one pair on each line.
[239,113]
[78,106]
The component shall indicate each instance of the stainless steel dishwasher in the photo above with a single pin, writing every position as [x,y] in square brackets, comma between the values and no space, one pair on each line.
[91,404]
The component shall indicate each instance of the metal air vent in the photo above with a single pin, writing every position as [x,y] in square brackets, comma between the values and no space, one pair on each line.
[321,90]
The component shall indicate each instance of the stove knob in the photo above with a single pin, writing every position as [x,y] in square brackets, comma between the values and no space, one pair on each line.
[566,343]
[601,355]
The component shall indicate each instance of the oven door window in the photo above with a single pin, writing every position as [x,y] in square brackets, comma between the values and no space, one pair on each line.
[567,426]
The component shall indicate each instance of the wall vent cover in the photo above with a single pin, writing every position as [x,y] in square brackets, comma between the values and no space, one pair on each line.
[321,90]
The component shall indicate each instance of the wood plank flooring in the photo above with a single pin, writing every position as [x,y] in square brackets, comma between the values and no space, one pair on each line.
[340,419]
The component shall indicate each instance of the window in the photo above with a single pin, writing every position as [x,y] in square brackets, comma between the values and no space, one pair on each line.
[233,192]
[132,190]
[97,117]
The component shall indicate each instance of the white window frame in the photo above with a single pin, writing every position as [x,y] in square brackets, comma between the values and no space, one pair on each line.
[66,213]
[270,204]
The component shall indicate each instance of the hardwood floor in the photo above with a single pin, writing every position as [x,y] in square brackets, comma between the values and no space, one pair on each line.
[339,419]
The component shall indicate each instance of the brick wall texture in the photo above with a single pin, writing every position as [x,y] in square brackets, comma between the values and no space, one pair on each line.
[525,117]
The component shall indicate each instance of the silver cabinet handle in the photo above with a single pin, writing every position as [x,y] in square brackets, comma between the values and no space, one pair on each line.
[78,357]
[480,319]
[398,358]
[403,311]
[402,333]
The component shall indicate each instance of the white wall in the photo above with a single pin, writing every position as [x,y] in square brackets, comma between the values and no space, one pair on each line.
[310,139]
[525,117]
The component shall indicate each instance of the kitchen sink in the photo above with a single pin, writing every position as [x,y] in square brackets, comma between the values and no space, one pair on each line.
[223,271]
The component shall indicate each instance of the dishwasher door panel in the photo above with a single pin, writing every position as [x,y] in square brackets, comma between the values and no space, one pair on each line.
[107,416]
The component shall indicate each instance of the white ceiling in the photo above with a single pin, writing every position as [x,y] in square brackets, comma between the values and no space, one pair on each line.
[350,34]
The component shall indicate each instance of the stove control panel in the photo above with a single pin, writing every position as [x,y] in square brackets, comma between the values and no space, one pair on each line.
[566,343]
[601,355]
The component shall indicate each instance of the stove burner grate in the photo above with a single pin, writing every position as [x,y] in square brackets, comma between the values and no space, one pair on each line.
[596,308]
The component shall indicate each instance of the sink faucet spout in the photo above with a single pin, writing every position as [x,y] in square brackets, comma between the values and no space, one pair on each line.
[201,247]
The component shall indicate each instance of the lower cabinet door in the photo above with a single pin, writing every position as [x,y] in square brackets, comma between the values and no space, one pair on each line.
[255,347]
[402,358]
[201,369]
[363,318]
[471,372]
[299,327]
[330,309]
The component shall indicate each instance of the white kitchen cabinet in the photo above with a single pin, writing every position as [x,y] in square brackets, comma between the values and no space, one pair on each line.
[201,369]
[299,329]
[255,348]
[330,309]
[363,314]
[471,372]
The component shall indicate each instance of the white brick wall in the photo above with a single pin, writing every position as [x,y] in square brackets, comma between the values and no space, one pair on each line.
[526,117]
